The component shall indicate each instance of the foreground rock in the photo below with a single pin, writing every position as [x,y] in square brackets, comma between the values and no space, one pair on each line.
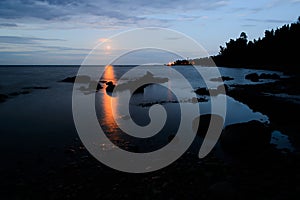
[203,123]
[246,138]
[252,77]
[222,190]
[3,97]
[280,111]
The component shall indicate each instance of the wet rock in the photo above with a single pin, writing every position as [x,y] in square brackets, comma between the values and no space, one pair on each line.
[13,94]
[221,89]
[80,79]
[148,104]
[110,87]
[144,81]
[70,151]
[25,92]
[197,100]
[245,138]
[202,91]
[141,89]
[222,78]
[171,137]
[269,76]
[252,77]
[3,97]
[203,123]
[222,190]
[95,85]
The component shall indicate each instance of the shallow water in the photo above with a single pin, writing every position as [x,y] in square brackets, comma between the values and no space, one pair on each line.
[41,121]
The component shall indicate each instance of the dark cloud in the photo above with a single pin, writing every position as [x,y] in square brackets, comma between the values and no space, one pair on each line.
[16,9]
[23,40]
[110,11]
[269,20]
[248,25]
[61,48]
[8,25]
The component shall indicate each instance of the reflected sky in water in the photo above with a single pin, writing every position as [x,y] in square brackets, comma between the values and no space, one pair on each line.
[155,93]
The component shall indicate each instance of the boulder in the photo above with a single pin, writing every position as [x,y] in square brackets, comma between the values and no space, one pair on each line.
[222,190]
[254,77]
[94,85]
[110,87]
[3,97]
[203,123]
[245,138]
[221,89]
[202,91]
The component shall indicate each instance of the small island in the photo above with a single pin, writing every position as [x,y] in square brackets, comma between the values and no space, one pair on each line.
[181,62]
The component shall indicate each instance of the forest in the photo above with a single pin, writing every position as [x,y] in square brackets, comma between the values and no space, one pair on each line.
[278,50]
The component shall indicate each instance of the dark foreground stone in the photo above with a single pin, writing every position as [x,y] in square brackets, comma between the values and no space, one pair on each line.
[3,97]
[204,121]
[252,77]
[246,138]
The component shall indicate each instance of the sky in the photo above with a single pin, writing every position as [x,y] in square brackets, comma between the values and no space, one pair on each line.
[65,31]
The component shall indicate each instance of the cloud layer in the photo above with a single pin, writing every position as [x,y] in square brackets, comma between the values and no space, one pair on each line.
[104,12]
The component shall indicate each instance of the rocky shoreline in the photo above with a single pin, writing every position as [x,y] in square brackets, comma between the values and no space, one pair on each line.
[255,170]
[280,110]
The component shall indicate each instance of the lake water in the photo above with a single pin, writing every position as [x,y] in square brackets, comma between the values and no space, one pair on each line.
[39,121]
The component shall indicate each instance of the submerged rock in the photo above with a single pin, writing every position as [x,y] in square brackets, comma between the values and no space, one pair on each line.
[94,85]
[202,91]
[249,137]
[222,78]
[110,87]
[221,89]
[222,190]
[13,94]
[252,77]
[80,79]
[142,82]
[269,76]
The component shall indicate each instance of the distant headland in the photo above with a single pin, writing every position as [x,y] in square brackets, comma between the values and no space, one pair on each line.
[277,50]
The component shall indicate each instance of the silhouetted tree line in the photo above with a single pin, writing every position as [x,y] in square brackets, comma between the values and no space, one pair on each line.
[181,62]
[278,48]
